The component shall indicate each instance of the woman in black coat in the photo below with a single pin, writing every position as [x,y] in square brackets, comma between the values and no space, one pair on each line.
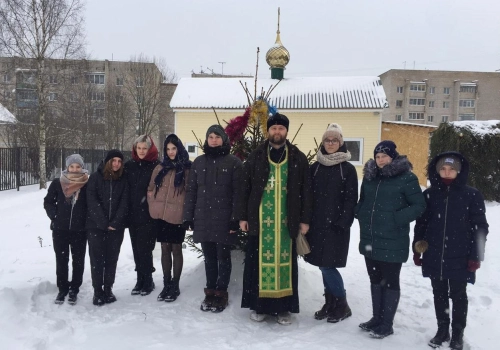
[107,200]
[451,234]
[66,207]
[335,194]
[141,226]
[209,209]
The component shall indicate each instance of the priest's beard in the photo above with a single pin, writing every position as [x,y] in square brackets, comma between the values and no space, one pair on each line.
[277,139]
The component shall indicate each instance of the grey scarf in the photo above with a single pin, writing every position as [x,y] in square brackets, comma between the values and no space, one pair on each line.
[333,158]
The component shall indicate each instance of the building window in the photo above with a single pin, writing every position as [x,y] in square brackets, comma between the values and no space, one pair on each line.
[72,97]
[416,116]
[467,103]
[138,116]
[119,81]
[119,98]
[399,103]
[355,146]
[97,96]
[431,104]
[432,90]
[417,87]
[7,94]
[446,104]
[99,116]
[399,117]
[417,101]
[139,82]
[467,89]
[430,118]
[53,79]
[27,95]
[52,96]
[6,78]
[95,79]
[74,80]
[192,149]
[446,90]
[399,89]
[467,117]
[444,118]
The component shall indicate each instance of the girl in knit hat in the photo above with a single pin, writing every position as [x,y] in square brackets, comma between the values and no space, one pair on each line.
[390,199]
[66,207]
[141,226]
[451,235]
[166,193]
[335,193]
[107,199]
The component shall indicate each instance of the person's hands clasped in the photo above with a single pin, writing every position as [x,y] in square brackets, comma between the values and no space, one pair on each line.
[303,228]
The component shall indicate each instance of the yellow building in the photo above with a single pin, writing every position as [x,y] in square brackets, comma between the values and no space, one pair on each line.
[355,103]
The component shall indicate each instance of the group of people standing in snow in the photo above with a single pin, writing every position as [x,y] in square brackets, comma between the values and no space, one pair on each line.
[274,196]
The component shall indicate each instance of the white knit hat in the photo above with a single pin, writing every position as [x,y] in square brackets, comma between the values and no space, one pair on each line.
[334,131]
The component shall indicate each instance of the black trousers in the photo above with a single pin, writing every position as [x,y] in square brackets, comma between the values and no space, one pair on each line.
[64,242]
[104,249]
[217,264]
[445,289]
[384,273]
[143,239]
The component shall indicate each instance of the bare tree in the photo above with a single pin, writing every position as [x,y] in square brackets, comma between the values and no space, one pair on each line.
[40,30]
[142,80]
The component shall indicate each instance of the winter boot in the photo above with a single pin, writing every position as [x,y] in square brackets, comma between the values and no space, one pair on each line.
[167,284]
[138,286]
[457,339]
[99,297]
[376,291]
[340,312]
[221,301]
[173,292]
[327,307]
[148,286]
[61,296]
[390,305]
[207,303]
[109,297]
[442,334]
[72,296]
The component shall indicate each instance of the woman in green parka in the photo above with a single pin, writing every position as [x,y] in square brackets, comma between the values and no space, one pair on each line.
[390,199]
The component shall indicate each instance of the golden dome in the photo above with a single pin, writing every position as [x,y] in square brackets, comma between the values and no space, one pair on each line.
[277,56]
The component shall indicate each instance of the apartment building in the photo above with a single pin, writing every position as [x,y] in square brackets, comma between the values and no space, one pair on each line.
[98,99]
[432,97]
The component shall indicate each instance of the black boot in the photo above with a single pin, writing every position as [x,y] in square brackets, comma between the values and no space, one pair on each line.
[221,301]
[167,283]
[376,291]
[340,312]
[327,307]
[390,305]
[99,297]
[148,285]
[442,334]
[109,297]
[173,292]
[61,296]
[207,303]
[138,286]
[73,296]
[457,339]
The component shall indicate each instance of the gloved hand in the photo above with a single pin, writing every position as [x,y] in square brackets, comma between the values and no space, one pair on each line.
[234,225]
[473,265]
[188,225]
[417,259]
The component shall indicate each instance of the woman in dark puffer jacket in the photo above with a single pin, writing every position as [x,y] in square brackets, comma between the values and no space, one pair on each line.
[66,207]
[107,201]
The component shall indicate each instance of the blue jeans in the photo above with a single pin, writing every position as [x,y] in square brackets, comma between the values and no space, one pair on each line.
[332,280]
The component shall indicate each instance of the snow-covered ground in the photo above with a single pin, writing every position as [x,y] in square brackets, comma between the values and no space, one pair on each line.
[29,319]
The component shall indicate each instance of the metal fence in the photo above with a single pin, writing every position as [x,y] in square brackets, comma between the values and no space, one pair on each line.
[19,166]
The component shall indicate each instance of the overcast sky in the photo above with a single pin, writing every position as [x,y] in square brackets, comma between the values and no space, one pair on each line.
[324,37]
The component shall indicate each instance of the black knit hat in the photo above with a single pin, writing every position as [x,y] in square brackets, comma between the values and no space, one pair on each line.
[278,119]
[112,154]
[388,147]
[218,130]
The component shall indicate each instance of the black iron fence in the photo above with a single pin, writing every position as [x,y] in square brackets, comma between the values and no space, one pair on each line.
[19,166]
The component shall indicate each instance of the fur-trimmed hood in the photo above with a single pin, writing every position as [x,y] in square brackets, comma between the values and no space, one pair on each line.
[398,166]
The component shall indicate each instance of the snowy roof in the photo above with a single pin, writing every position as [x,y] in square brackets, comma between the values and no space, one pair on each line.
[292,93]
[407,123]
[479,127]
[6,116]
